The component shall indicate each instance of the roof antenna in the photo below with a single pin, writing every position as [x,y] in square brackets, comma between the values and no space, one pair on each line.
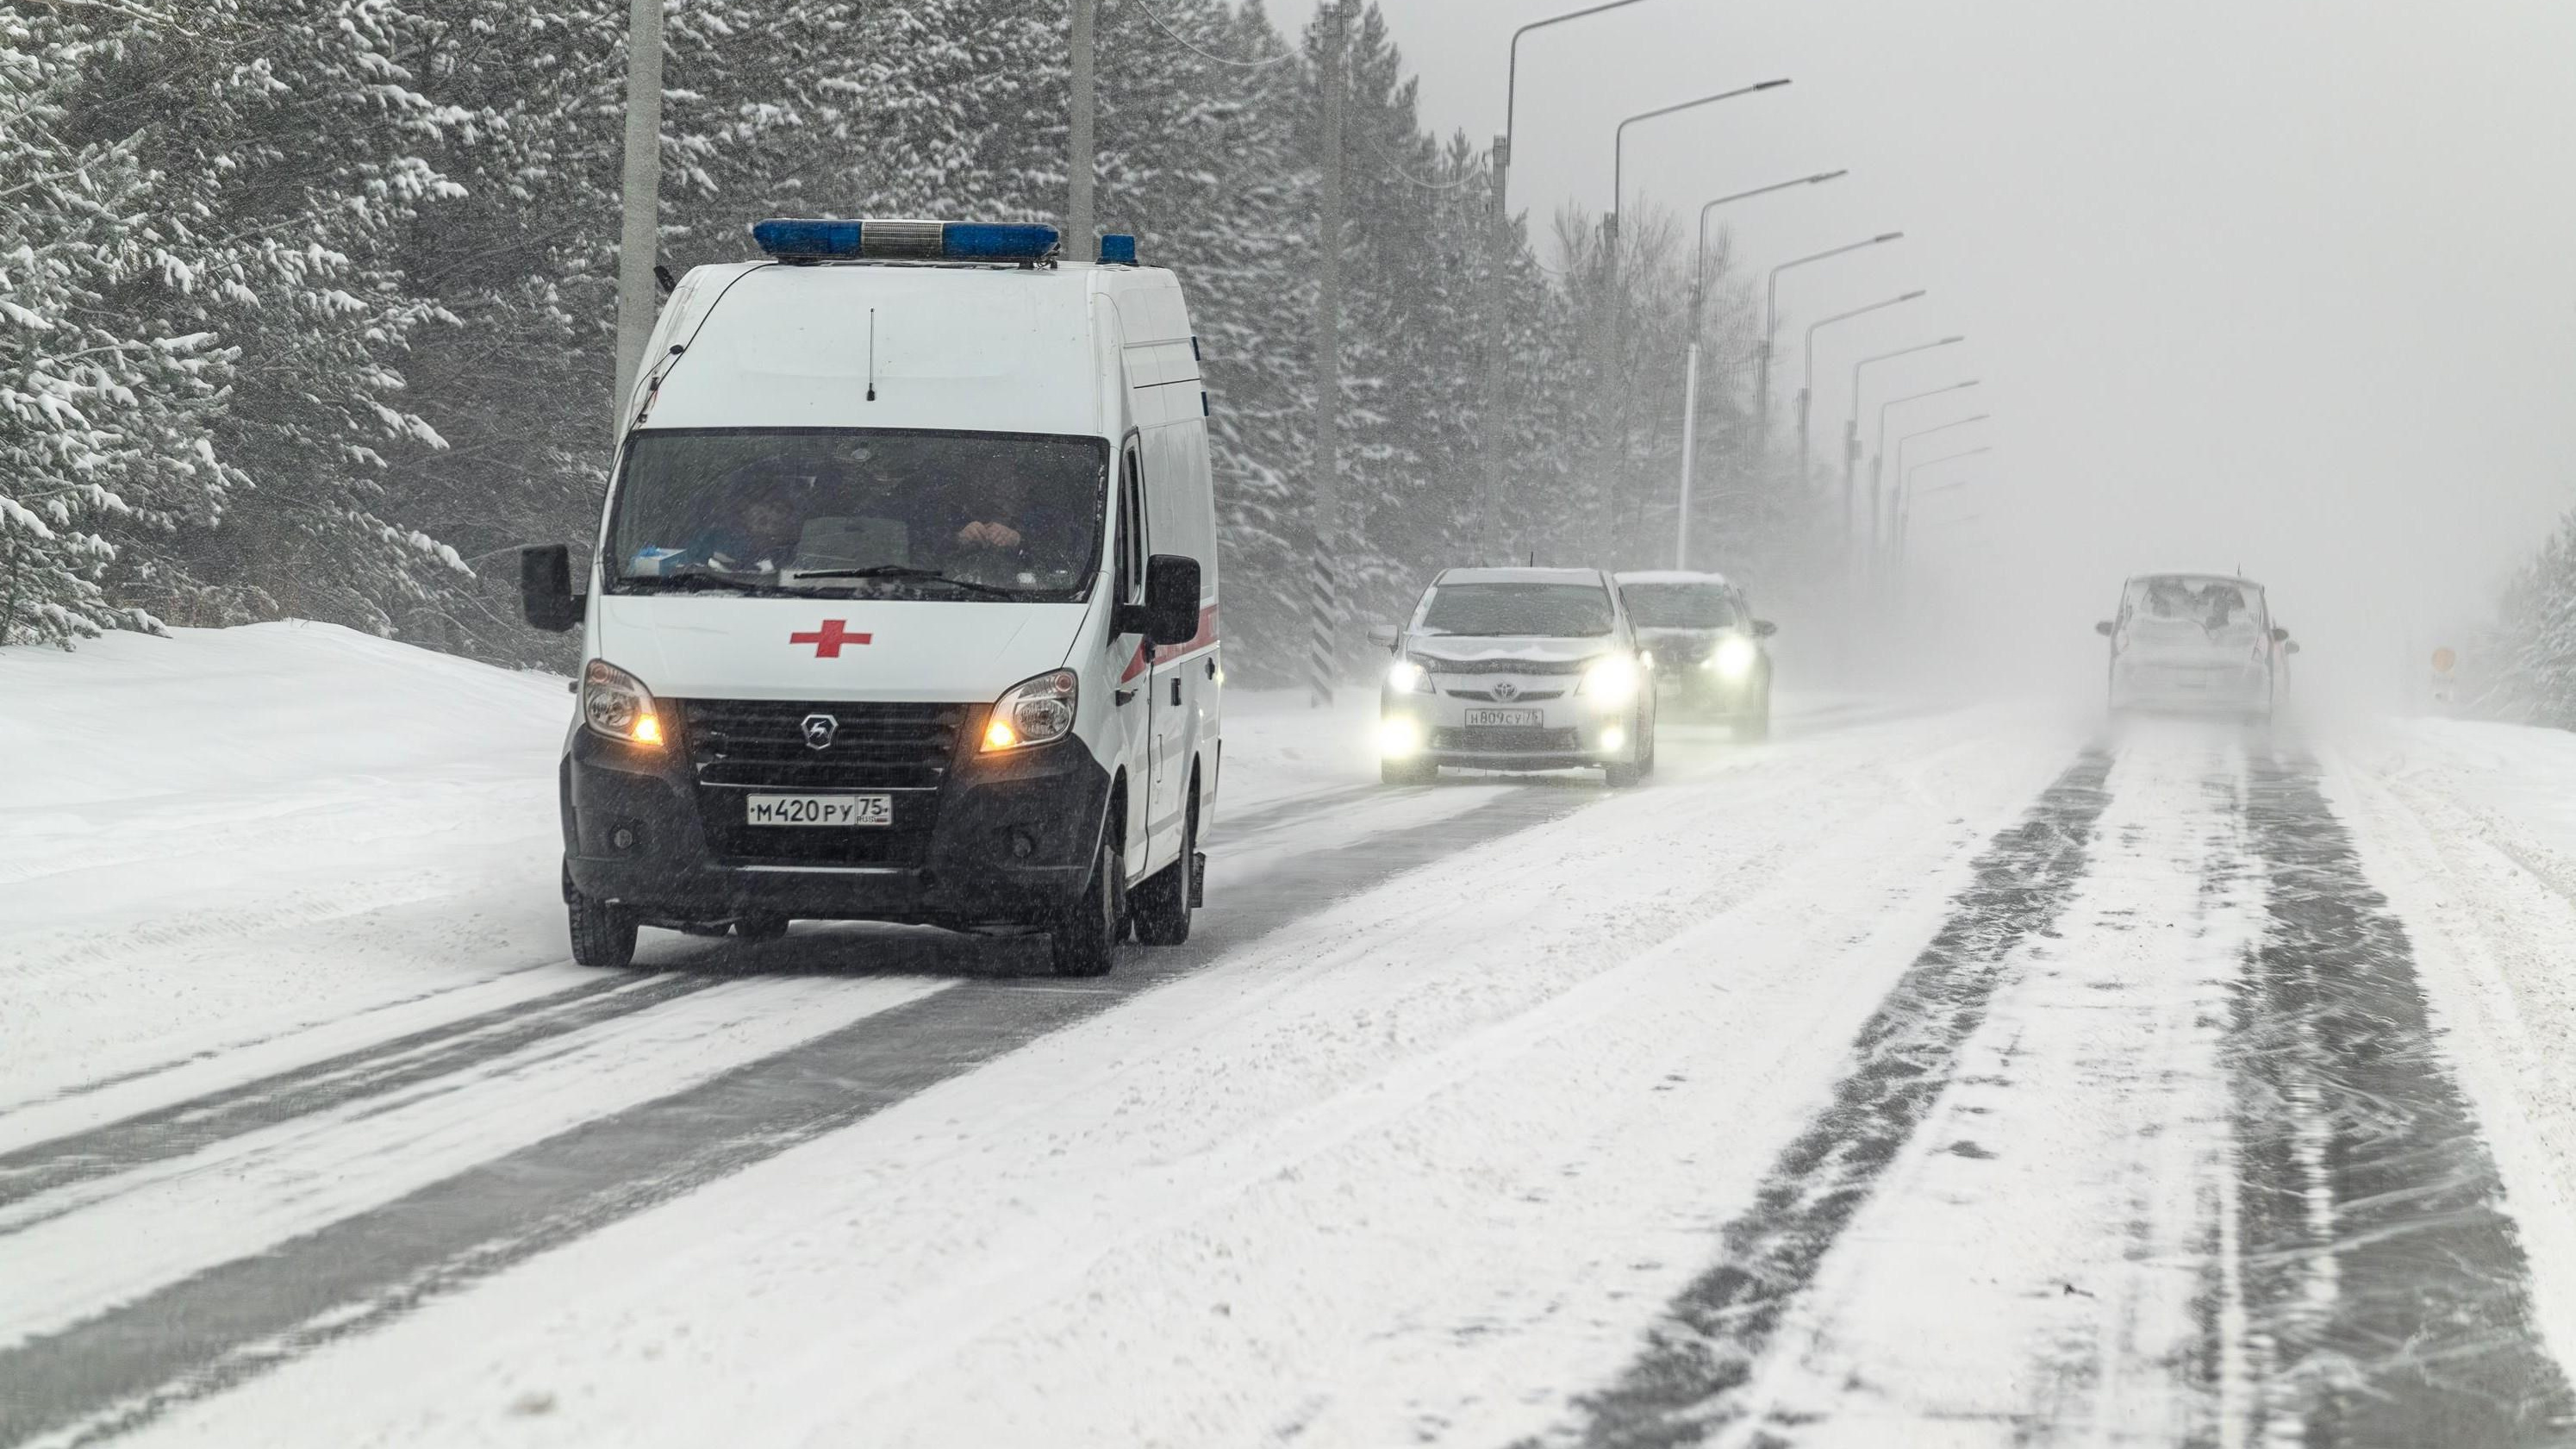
[872,354]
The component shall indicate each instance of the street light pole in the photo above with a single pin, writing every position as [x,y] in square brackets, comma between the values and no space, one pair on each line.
[1619,142]
[1690,362]
[1902,527]
[1324,645]
[1770,315]
[1807,381]
[1082,161]
[1878,459]
[640,241]
[1498,283]
[1610,293]
[1903,476]
[1851,425]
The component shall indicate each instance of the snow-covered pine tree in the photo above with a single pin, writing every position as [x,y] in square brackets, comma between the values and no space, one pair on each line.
[1199,161]
[103,424]
[284,139]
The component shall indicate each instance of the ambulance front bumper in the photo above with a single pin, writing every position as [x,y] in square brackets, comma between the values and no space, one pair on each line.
[1005,841]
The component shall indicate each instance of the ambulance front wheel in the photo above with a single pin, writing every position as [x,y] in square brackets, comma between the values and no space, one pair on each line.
[603,932]
[1084,940]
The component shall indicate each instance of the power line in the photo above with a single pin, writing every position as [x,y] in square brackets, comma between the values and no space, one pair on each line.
[1174,36]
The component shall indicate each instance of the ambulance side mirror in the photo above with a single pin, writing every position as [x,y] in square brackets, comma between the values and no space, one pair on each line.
[1383,635]
[1171,600]
[545,589]
[2105,629]
[1764,628]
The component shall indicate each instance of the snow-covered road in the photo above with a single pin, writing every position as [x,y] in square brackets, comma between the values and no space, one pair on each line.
[1924,1076]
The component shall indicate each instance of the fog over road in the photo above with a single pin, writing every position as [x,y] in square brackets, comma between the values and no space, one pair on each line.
[1929,1074]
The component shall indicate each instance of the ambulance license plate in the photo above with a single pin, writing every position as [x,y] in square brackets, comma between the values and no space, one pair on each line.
[1505,718]
[834,811]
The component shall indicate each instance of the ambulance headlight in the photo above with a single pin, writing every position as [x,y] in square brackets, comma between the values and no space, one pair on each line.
[1734,657]
[1408,677]
[616,704]
[1612,680]
[1036,712]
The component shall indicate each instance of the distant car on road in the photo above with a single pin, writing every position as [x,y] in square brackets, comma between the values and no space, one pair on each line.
[2197,642]
[1710,660]
[1516,669]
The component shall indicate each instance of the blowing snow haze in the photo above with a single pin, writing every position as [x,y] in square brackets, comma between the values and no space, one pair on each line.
[2278,284]
[925,723]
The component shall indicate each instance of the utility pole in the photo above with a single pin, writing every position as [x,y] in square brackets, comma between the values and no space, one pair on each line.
[1498,302]
[1082,162]
[1323,658]
[640,245]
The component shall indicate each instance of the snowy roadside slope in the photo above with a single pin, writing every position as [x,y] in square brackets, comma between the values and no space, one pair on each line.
[228,834]
[2471,830]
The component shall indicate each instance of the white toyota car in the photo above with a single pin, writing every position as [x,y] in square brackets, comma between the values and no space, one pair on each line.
[1517,669]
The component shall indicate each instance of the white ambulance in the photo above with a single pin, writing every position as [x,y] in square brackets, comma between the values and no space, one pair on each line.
[904,604]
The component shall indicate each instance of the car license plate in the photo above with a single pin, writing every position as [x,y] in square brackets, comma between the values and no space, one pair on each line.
[837,811]
[1492,718]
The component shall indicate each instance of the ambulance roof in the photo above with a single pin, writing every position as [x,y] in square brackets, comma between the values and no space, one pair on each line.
[872,345]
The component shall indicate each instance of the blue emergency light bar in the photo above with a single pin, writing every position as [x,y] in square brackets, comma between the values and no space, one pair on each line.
[795,240]
[1118,249]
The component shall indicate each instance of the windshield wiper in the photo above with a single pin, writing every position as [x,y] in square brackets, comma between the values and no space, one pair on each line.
[906,573]
[691,582]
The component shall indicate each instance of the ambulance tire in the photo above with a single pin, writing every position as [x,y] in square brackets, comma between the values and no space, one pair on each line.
[1084,939]
[603,933]
[1161,904]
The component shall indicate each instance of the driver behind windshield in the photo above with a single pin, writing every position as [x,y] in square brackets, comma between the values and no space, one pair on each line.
[759,525]
[1004,535]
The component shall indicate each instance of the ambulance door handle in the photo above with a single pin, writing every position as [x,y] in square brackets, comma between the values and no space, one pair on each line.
[1124,697]
[1211,666]
[1176,689]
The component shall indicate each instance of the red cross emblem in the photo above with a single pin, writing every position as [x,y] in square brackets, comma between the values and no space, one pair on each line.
[827,641]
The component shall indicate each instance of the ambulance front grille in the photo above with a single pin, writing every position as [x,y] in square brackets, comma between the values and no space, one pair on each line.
[906,750]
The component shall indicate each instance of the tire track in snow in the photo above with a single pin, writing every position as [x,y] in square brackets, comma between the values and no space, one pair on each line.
[1676,1391]
[205,1333]
[2387,1287]
[184,1127]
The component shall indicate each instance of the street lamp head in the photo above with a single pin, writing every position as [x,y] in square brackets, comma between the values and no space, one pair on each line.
[1772,84]
[1910,296]
[1822,177]
[1971,382]
[1887,236]
[1946,341]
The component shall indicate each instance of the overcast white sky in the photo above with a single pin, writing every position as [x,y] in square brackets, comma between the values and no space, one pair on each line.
[2270,282]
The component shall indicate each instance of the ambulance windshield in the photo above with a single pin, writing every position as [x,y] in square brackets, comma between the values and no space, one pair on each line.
[934,515]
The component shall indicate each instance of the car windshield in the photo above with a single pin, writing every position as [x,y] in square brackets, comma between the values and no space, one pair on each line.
[947,515]
[2190,606]
[1680,606]
[1556,611]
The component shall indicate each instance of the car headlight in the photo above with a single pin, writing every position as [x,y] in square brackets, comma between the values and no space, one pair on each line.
[1406,676]
[1611,680]
[1033,712]
[616,704]
[1734,657]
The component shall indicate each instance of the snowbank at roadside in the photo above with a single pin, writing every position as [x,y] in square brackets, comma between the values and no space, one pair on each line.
[219,836]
